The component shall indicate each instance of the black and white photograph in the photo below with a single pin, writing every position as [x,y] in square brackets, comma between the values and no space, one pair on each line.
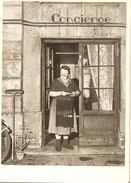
[64,92]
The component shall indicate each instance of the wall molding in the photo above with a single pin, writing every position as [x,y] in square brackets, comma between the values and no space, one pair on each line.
[49,24]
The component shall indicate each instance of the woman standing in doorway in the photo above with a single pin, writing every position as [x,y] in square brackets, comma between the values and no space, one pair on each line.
[62,120]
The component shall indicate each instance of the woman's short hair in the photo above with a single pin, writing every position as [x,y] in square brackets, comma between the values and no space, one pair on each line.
[65,67]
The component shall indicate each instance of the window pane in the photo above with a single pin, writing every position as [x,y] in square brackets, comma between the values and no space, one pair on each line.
[47,78]
[90,99]
[106,99]
[47,99]
[106,76]
[48,60]
[106,53]
[94,75]
[90,55]
[90,77]
[86,77]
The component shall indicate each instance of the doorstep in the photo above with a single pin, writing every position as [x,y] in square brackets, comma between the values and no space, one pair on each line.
[50,150]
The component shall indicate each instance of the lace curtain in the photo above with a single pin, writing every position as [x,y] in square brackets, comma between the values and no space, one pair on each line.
[105,72]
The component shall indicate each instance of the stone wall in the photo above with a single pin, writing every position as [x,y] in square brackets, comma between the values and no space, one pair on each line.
[12,63]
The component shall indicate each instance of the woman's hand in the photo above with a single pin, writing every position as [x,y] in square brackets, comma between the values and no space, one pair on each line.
[63,93]
[73,94]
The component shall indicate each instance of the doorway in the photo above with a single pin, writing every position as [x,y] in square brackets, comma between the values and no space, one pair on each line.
[95,67]
[57,55]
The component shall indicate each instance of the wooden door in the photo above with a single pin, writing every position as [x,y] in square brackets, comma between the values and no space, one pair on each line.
[100,92]
[48,74]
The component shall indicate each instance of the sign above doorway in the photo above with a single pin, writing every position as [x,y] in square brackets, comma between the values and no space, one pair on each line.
[57,18]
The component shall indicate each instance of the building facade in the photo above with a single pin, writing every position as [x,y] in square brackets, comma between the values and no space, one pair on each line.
[38,38]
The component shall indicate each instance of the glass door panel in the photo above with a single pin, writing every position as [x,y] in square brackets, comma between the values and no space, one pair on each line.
[98,76]
[49,73]
[106,99]
[106,56]
[106,75]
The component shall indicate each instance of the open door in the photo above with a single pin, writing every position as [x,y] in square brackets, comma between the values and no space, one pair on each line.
[48,74]
[99,65]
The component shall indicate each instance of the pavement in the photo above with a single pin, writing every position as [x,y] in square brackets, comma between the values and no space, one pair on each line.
[79,156]
[70,160]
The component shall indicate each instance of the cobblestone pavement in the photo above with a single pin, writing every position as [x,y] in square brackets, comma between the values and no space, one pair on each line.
[70,160]
[79,156]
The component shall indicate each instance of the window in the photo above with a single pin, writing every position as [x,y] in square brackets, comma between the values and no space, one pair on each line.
[98,76]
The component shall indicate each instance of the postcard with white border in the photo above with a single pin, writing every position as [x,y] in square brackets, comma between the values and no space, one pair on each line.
[65,92]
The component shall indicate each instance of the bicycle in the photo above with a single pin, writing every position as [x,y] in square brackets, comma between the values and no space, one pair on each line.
[6,141]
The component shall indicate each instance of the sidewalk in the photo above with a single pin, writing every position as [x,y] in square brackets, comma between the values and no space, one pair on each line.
[80,156]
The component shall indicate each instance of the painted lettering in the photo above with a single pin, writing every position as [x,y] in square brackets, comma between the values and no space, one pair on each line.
[57,18]
[87,19]
[107,20]
[77,19]
[69,20]
[82,20]
[101,20]
[62,20]
[93,20]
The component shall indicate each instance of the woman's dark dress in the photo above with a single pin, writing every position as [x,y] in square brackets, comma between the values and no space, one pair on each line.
[62,119]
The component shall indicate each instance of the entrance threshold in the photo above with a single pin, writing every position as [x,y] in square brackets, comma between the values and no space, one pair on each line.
[50,150]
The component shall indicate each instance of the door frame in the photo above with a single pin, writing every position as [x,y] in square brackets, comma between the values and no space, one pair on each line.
[81,41]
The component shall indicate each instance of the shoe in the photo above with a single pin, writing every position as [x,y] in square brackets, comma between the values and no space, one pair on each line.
[66,144]
[58,145]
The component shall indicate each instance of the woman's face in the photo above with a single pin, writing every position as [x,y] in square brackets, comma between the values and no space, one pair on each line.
[64,74]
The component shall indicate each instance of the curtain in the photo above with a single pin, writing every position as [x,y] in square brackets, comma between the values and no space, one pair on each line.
[105,75]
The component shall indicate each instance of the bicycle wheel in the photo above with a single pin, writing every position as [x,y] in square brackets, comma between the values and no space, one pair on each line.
[5,146]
